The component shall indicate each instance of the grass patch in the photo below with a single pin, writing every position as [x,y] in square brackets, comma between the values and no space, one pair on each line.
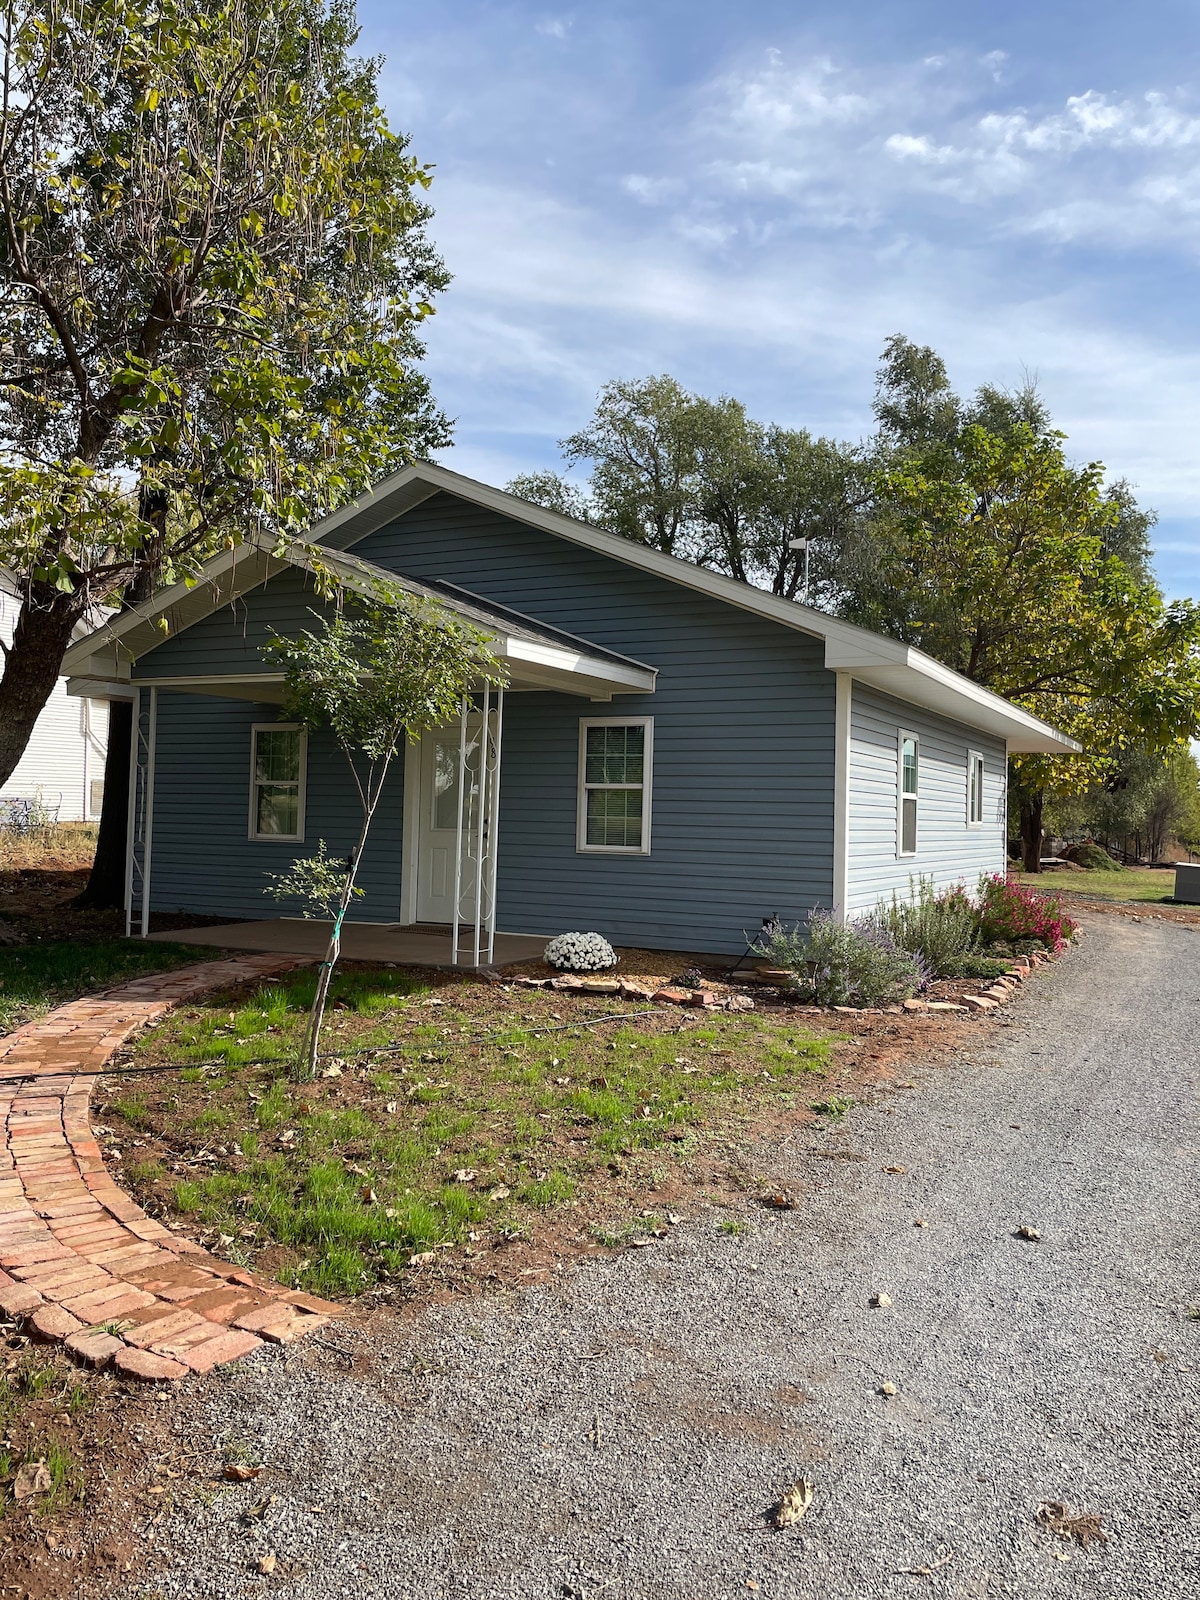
[1129,883]
[32,1385]
[35,977]
[448,1118]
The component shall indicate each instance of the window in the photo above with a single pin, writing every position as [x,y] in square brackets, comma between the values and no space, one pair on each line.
[974,789]
[909,780]
[614,785]
[278,754]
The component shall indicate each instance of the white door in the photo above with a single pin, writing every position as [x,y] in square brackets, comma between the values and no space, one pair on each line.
[437,839]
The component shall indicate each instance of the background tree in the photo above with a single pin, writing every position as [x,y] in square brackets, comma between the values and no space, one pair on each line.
[994,553]
[701,479]
[555,493]
[643,452]
[960,526]
[1148,800]
[213,268]
[376,671]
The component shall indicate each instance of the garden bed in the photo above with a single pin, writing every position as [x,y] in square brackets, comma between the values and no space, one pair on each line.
[464,1130]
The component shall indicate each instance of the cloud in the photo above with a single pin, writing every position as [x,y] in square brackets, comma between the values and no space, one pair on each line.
[761,230]
[553,27]
[780,100]
[919,147]
[651,191]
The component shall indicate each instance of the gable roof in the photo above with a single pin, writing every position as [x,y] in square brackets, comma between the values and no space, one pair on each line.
[894,668]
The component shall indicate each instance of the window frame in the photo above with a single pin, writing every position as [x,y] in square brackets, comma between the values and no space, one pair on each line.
[582,847]
[903,735]
[301,786]
[975,764]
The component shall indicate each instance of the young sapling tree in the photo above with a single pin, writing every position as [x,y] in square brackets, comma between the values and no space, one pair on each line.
[379,669]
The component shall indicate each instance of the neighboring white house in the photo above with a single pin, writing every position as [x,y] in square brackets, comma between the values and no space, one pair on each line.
[63,764]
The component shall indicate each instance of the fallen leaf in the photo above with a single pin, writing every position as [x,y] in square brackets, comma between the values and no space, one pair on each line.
[369,1197]
[1082,1526]
[793,1504]
[32,1478]
[895,1169]
[422,1258]
[332,1072]
[673,1219]
[392,1107]
[465,1175]
[888,1389]
[780,1200]
[881,1301]
[500,1192]
[259,1511]
[238,1474]
[266,1564]
[920,1223]
[1026,1232]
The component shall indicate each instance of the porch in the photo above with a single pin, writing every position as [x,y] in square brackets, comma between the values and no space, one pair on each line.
[400,944]
[443,892]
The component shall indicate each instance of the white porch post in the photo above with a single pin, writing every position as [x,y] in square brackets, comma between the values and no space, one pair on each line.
[131,809]
[481,828]
[494,826]
[148,811]
[458,841]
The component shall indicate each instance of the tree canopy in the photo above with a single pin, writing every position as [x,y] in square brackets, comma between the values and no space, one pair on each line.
[960,526]
[213,271]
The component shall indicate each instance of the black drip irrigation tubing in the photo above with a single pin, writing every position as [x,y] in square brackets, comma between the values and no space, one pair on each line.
[333,1055]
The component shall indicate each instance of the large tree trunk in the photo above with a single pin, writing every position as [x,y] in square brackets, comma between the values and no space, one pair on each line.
[1031,830]
[31,666]
[105,889]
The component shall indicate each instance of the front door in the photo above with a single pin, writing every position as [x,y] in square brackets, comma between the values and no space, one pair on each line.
[438,836]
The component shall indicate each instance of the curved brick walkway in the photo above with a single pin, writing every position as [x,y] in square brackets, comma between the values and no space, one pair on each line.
[80,1262]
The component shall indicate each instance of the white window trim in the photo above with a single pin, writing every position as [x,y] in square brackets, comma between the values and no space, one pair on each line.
[973,757]
[277,838]
[581,845]
[901,853]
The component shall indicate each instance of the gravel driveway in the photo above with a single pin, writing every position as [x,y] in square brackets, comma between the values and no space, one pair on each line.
[621,1434]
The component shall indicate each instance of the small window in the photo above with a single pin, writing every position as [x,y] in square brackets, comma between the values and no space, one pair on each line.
[614,785]
[909,783]
[278,754]
[975,771]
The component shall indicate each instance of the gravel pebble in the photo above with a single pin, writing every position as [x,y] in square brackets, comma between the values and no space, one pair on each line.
[626,1432]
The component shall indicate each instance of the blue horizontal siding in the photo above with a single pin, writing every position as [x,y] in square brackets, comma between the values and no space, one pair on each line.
[743,749]
[202,859]
[948,849]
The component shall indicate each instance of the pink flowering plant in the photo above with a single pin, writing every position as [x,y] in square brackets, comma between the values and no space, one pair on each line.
[1010,913]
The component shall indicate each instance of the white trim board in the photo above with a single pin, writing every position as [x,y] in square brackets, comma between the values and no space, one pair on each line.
[843,724]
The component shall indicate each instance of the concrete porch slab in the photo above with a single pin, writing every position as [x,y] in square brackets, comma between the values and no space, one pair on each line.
[361,941]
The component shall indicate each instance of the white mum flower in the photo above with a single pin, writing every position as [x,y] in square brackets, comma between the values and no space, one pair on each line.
[581,952]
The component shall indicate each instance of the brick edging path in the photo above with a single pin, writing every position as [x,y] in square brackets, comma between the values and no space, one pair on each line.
[80,1262]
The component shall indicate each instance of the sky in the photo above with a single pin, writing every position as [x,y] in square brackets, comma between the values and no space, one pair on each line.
[753,196]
